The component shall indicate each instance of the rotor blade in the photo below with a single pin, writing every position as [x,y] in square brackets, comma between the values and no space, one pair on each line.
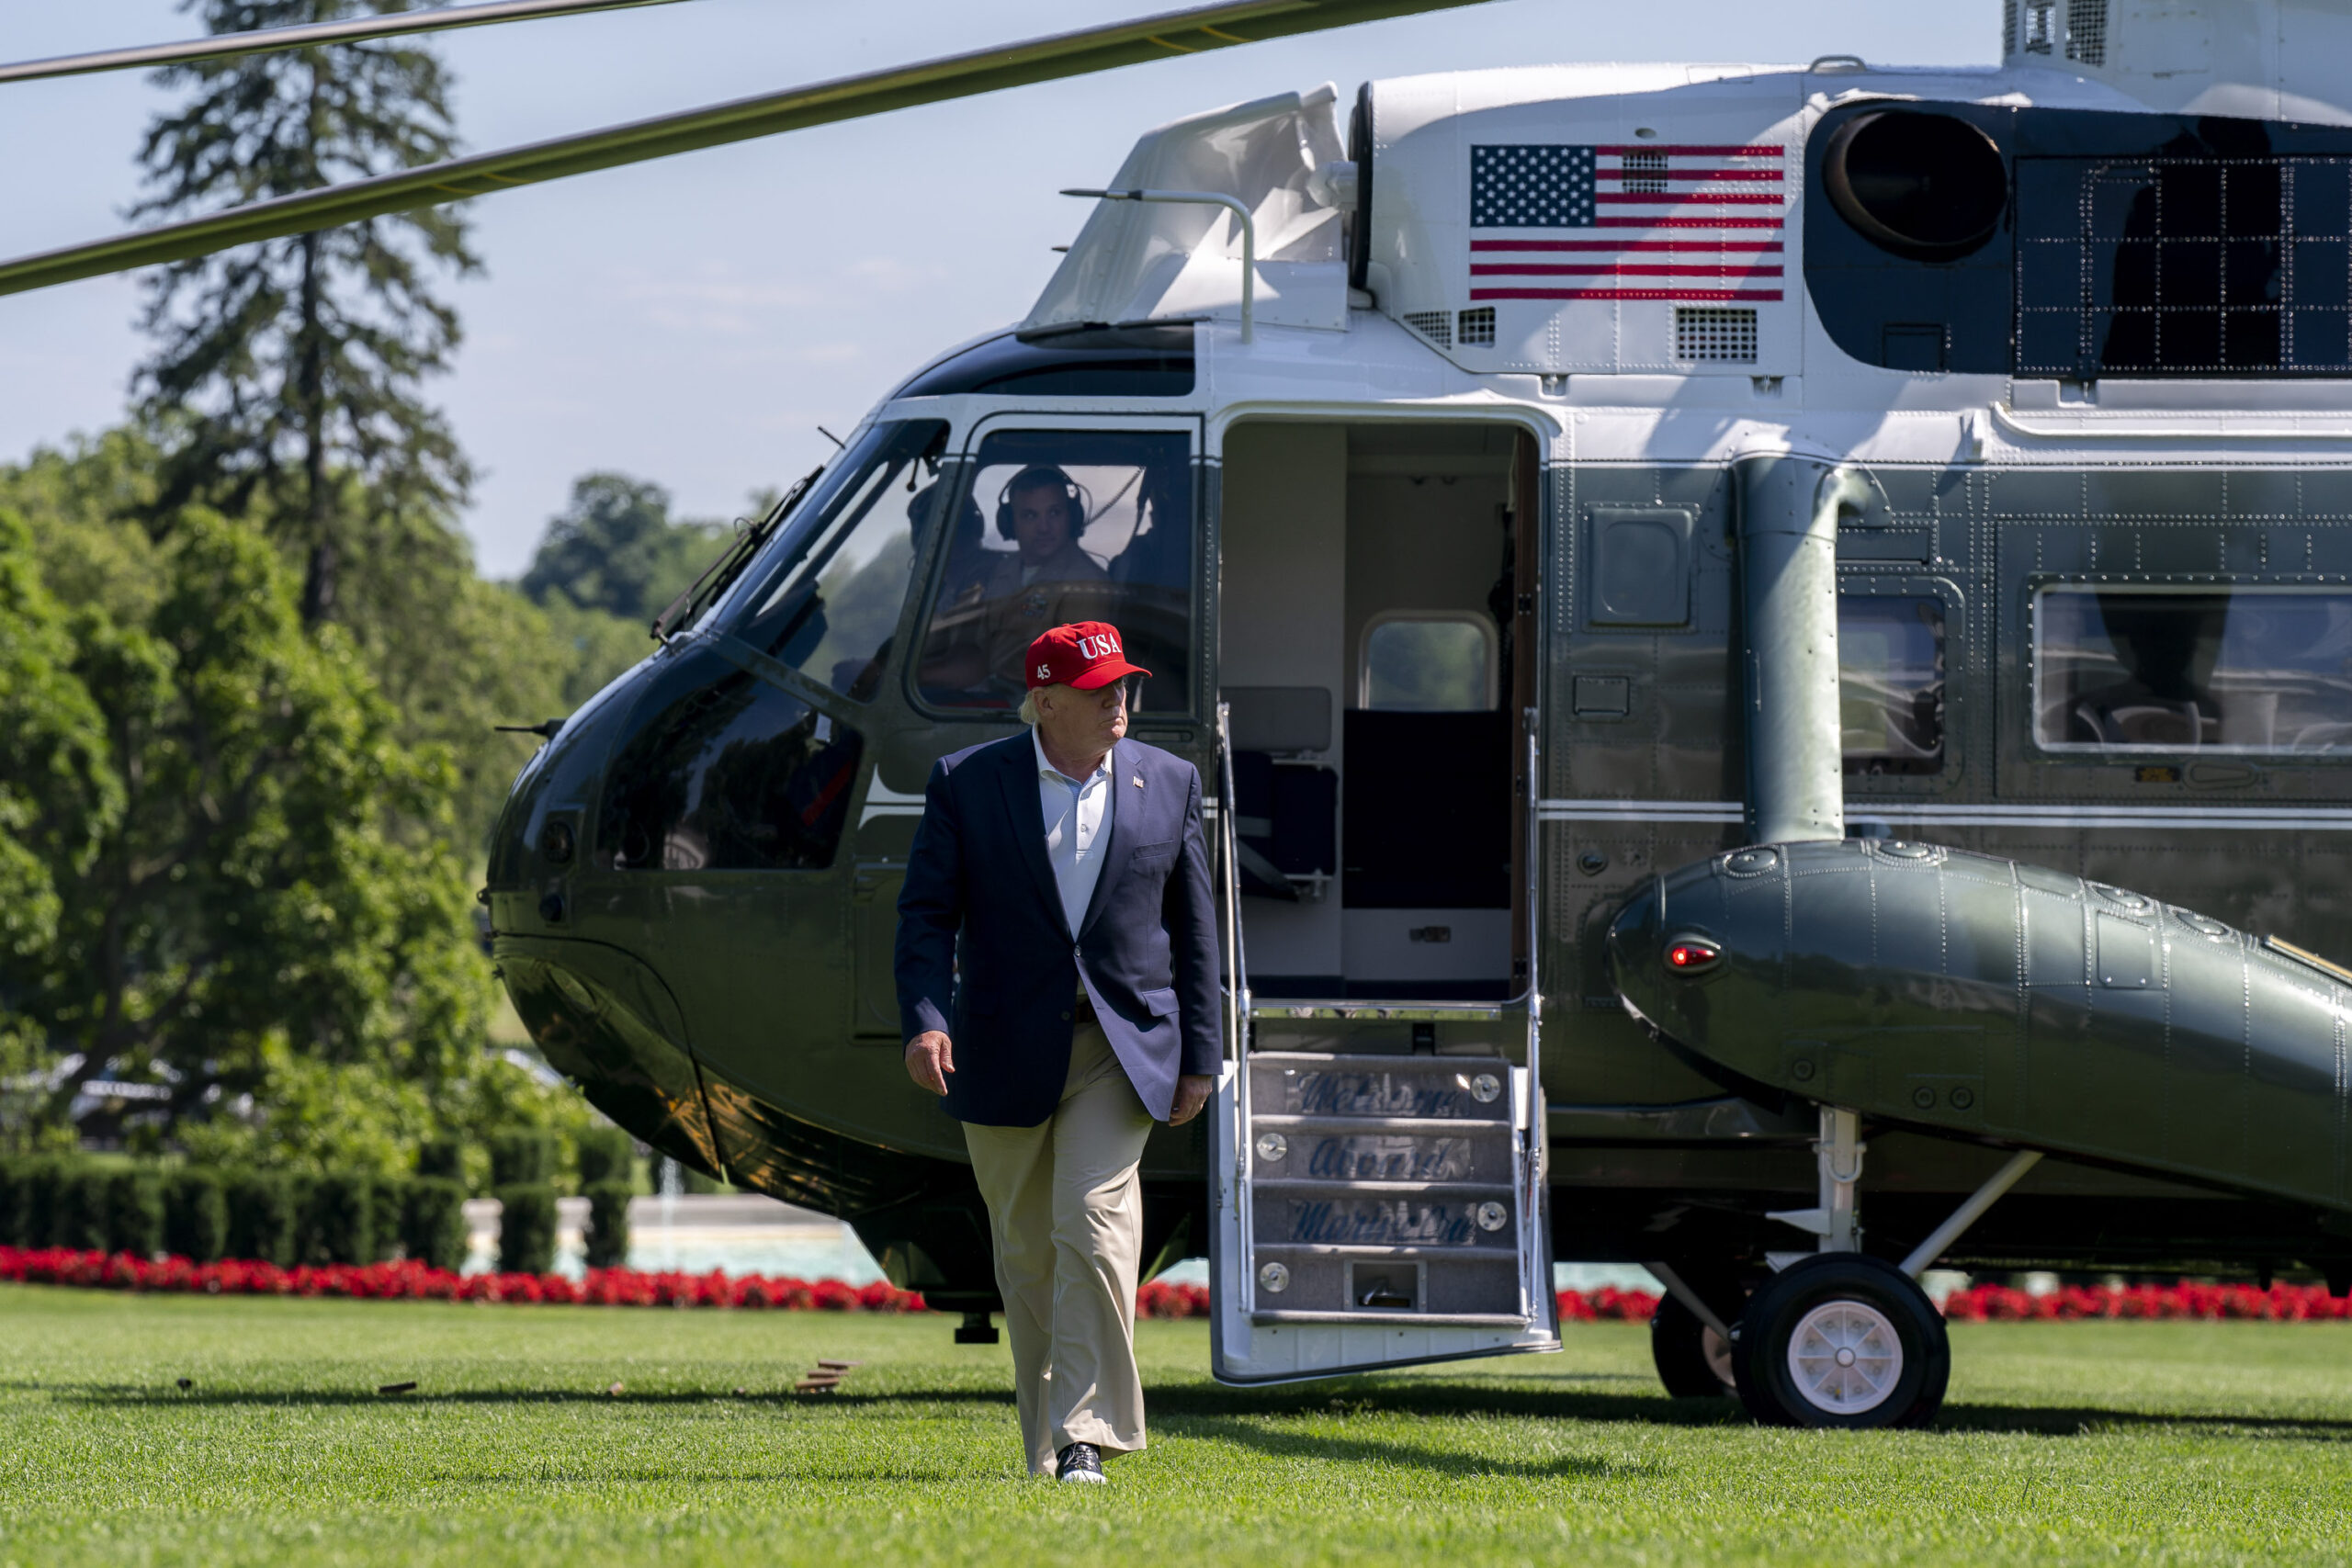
[1191,31]
[220,46]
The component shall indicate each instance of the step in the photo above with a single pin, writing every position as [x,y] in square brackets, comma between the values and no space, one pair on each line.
[1381,1159]
[1278,1121]
[1302,1186]
[1354,1284]
[1394,1315]
[1343,1219]
[1393,1011]
[1377,1250]
[1427,1089]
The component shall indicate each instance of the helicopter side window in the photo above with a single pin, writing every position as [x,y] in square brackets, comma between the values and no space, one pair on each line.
[1060,527]
[1891,685]
[2245,670]
[829,604]
[1417,663]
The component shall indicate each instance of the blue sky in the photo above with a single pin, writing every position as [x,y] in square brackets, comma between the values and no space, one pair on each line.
[692,320]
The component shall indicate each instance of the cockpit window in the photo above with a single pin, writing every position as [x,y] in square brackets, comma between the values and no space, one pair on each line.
[1891,685]
[2143,669]
[828,598]
[1060,527]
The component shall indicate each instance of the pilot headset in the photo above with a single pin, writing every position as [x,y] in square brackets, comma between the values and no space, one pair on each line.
[1043,475]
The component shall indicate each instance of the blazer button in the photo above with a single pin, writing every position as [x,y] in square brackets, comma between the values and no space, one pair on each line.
[1065,1015]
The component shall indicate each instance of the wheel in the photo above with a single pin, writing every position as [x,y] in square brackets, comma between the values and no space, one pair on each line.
[1693,1361]
[1841,1340]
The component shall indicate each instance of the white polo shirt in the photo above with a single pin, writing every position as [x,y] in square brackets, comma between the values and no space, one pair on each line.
[1077,828]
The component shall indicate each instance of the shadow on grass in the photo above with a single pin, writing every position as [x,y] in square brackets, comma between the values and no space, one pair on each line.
[1237,1414]
[1277,1442]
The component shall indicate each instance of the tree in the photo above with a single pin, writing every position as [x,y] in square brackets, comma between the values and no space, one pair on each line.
[245,861]
[615,549]
[455,656]
[58,796]
[286,365]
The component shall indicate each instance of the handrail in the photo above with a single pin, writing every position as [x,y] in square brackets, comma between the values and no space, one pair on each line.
[1228,880]
[1532,892]
[1237,1001]
[1530,1238]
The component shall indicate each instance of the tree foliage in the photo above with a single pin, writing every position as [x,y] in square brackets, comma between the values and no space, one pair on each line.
[285,365]
[241,858]
[615,548]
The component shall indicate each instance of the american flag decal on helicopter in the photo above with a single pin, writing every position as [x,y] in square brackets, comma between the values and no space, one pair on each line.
[1693,223]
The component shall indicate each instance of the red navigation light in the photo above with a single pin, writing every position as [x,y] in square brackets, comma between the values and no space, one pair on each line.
[1692,955]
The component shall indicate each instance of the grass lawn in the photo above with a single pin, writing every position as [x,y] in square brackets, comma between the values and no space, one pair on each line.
[2063,1442]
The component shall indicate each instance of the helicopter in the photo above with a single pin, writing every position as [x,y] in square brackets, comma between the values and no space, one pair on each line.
[1769,648]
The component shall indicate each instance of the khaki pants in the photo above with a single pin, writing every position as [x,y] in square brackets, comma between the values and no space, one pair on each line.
[1066,1212]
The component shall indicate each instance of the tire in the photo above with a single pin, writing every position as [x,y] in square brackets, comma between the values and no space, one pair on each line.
[1693,1362]
[1897,1361]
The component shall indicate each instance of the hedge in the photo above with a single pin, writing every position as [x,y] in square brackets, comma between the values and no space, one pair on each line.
[525,1228]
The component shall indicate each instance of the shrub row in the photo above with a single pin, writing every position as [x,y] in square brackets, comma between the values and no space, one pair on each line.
[205,1215]
[340,1217]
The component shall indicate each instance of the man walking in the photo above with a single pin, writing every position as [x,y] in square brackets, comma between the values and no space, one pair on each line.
[1057,986]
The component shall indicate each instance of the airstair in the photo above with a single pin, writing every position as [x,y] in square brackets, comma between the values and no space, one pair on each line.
[1372,1208]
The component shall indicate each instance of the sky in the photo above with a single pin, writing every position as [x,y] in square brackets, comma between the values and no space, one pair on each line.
[692,320]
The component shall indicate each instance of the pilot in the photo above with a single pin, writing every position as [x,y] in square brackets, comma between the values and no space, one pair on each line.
[1044,579]
[1057,988]
[966,568]
[1047,513]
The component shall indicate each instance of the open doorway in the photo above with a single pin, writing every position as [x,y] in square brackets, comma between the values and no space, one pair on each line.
[1366,644]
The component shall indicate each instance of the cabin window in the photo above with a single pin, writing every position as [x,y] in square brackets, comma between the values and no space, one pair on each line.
[1891,685]
[1424,662]
[2142,670]
[1062,525]
[830,600]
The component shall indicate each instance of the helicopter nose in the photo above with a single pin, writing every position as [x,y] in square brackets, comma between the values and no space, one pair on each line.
[598,1015]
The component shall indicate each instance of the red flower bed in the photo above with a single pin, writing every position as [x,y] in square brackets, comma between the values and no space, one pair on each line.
[628,1287]
[1158,1299]
[2189,1299]
[1607,1303]
[416,1281]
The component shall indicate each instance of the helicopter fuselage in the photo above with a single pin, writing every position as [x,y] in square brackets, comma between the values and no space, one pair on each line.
[1455,530]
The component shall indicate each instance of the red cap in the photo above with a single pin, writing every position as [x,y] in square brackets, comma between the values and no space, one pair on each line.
[1084,654]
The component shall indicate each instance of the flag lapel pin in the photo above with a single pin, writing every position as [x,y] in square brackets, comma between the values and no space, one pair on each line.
[1138,781]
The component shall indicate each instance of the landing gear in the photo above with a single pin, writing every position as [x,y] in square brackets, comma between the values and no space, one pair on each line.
[1693,1361]
[1835,1337]
[1842,1339]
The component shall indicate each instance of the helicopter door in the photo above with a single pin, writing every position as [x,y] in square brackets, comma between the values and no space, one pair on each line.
[1372,1210]
[1376,1168]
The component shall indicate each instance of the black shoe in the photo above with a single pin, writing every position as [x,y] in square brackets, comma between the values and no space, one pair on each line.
[1079,1461]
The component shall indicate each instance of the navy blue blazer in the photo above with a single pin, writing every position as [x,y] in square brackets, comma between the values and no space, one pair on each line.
[985,955]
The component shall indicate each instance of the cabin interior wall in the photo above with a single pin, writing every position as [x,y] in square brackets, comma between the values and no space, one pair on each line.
[1281,605]
[1424,524]
[1425,537]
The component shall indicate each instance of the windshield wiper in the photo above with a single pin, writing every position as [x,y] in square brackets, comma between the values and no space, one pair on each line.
[722,573]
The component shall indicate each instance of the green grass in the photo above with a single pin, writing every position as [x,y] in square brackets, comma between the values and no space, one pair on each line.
[2063,1442]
